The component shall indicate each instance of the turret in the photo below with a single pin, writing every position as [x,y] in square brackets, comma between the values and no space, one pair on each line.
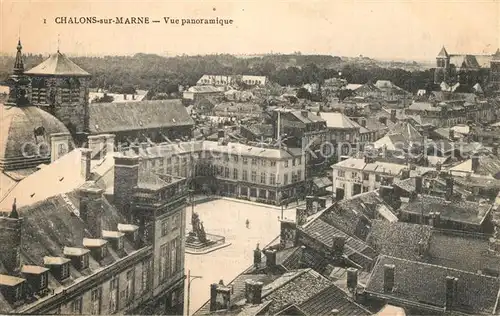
[442,66]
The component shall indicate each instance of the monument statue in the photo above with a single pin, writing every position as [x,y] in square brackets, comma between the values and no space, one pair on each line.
[198,230]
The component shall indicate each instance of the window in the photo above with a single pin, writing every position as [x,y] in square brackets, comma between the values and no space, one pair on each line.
[95,301]
[293,162]
[146,274]
[341,173]
[226,172]
[164,227]
[263,177]
[272,179]
[160,163]
[245,160]
[76,306]
[61,149]
[366,176]
[173,255]
[113,296]
[273,163]
[299,175]
[245,175]
[64,271]
[254,161]
[365,189]
[164,257]
[235,174]
[285,179]
[254,176]
[263,162]
[104,251]
[377,178]
[299,161]
[226,157]
[354,175]
[169,161]
[129,289]
[235,158]
[43,280]
[84,261]
[286,163]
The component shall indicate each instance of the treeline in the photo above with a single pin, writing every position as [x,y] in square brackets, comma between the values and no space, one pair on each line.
[164,74]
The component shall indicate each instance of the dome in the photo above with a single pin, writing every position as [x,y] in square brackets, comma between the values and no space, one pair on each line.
[25,136]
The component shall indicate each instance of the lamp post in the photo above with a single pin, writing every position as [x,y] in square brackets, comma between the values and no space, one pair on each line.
[190,278]
[280,195]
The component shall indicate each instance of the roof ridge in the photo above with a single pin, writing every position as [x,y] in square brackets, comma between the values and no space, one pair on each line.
[436,266]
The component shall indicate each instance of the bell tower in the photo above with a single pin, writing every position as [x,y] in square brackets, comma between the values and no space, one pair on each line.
[18,82]
[441,73]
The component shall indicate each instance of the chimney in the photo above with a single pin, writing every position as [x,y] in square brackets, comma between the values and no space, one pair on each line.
[304,113]
[418,184]
[253,292]
[405,174]
[475,163]
[85,163]
[338,243]
[352,279]
[449,188]
[125,180]
[386,192]
[91,207]
[451,134]
[288,233]
[383,120]
[300,216]
[309,204]
[10,235]
[221,134]
[257,257]
[270,258]
[389,277]
[451,289]
[393,116]
[220,297]
[213,296]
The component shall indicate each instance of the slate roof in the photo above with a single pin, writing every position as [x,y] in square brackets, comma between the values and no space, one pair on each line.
[424,284]
[127,116]
[458,211]
[399,239]
[57,65]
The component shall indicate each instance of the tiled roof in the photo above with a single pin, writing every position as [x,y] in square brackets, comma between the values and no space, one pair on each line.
[59,65]
[329,299]
[377,166]
[296,291]
[488,165]
[458,211]
[338,120]
[126,116]
[447,248]
[424,284]
[398,239]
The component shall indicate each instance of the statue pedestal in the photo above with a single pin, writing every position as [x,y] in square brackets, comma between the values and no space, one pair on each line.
[212,243]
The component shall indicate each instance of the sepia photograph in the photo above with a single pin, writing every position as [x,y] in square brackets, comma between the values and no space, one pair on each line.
[250,158]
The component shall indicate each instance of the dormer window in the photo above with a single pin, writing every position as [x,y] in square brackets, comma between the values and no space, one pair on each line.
[59,267]
[97,246]
[36,277]
[115,237]
[12,287]
[131,232]
[79,257]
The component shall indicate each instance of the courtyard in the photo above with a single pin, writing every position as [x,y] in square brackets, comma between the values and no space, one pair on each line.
[227,218]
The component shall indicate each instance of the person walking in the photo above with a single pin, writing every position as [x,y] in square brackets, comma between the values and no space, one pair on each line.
[247,223]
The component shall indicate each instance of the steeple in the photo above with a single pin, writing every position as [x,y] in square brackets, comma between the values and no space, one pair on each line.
[18,64]
[496,56]
[443,53]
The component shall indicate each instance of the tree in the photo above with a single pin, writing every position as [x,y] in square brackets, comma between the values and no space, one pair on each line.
[302,93]
[104,99]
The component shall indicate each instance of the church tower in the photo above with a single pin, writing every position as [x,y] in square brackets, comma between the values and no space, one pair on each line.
[60,87]
[442,71]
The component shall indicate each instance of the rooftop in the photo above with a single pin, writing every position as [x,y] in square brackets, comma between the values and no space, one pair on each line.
[58,65]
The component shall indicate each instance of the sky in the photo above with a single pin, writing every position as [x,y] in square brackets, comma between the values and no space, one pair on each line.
[378,29]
